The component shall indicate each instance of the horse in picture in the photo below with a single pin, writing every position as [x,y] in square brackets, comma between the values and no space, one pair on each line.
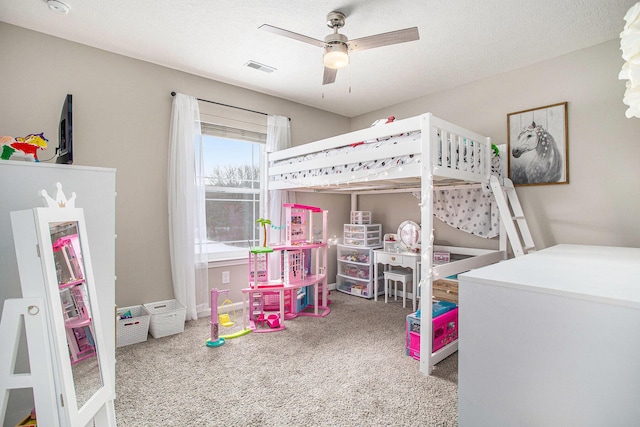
[537,158]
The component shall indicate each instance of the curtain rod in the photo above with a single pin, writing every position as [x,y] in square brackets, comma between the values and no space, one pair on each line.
[230,106]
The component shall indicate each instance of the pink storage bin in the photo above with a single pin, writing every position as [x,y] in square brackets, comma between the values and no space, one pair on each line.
[414,345]
[445,331]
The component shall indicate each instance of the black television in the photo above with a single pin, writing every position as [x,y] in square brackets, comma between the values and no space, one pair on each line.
[65,133]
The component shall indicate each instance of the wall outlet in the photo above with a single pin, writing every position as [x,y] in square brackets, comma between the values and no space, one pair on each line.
[225,277]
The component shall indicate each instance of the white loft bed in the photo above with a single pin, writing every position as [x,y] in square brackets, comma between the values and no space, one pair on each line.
[405,155]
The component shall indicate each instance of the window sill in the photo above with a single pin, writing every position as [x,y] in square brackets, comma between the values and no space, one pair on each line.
[226,262]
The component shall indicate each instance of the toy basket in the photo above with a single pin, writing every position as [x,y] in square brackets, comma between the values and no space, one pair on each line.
[134,329]
[167,318]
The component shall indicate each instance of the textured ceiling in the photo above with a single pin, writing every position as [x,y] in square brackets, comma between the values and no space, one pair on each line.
[460,40]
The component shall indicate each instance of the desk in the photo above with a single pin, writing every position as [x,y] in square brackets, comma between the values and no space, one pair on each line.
[551,339]
[397,259]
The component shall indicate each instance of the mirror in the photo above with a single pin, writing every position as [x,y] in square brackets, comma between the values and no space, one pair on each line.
[409,236]
[76,310]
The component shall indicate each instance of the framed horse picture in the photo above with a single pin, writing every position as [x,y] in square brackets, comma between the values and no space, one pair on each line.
[538,145]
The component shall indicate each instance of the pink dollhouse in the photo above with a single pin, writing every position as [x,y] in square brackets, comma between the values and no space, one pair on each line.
[71,283]
[302,287]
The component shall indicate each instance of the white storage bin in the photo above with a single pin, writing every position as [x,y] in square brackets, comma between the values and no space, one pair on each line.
[167,318]
[134,329]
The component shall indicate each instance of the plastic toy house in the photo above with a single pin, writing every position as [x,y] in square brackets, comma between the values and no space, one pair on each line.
[299,227]
[71,283]
[304,258]
[259,265]
[302,288]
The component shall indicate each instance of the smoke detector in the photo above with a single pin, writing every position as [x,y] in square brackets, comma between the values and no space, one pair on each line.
[58,6]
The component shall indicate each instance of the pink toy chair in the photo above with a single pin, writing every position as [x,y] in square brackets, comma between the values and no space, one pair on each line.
[273,320]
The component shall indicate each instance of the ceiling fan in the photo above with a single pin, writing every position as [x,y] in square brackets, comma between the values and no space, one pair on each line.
[337,46]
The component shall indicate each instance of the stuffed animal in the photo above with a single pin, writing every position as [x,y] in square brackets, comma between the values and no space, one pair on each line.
[22,148]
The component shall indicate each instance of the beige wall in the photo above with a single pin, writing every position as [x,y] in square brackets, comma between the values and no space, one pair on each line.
[121,120]
[600,205]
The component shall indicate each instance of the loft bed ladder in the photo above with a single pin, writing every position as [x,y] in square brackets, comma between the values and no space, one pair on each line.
[512,217]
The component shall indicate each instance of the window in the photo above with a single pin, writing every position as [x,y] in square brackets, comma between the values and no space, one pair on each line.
[232,165]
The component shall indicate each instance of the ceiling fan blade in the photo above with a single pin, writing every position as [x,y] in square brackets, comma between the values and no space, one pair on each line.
[385,39]
[329,75]
[291,35]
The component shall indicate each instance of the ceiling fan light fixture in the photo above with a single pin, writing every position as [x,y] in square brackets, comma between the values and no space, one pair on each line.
[337,46]
[336,56]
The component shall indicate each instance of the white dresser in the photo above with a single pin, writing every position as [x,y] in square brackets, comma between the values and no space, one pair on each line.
[551,339]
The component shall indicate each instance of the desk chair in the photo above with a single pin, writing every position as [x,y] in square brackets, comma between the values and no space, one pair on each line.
[396,276]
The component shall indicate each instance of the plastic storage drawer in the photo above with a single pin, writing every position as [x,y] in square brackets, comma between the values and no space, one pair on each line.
[363,235]
[354,255]
[353,286]
[356,271]
[360,217]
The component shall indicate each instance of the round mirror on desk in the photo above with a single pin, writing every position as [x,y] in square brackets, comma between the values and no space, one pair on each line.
[409,236]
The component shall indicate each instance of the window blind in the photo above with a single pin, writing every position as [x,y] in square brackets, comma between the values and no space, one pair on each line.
[232,132]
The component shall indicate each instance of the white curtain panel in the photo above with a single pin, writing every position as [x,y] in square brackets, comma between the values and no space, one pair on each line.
[187,222]
[278,138]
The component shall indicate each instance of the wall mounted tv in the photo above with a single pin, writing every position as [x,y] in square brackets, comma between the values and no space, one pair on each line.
[65,133]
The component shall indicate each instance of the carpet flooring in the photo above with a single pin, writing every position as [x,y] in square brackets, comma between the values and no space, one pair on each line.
[346,369]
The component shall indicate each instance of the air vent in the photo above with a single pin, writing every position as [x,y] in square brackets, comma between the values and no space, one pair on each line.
[259,66]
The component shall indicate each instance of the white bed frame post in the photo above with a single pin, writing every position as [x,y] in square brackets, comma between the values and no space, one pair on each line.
[426,223]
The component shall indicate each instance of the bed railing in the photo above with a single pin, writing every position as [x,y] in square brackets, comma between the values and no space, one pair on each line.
[454,152]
